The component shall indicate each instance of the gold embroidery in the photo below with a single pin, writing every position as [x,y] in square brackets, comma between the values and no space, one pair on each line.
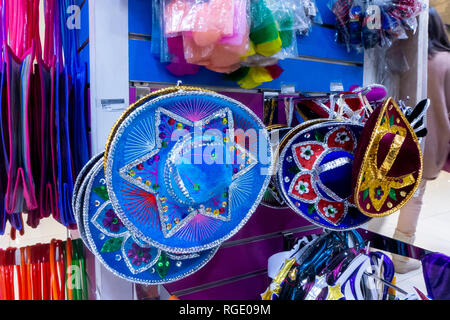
[284,271]
[391,156]
[375,179]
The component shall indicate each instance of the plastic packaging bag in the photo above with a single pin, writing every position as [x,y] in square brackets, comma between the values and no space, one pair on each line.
[156,28]
[289,48]
[159,47]
[236,37]
[224,55]
[289,15]
[263,29]
[212,20]
[178,64]
[406,9]
[174,15]
[241,26]
[392,26]
[355,16]
[312,12]
[341,9]
[205,21]
[371,33]
[370,23]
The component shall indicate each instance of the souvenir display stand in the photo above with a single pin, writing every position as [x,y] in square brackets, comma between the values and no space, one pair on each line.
[216,150]
[116,38]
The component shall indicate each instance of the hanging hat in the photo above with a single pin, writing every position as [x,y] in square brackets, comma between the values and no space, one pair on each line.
[315,174]
[275,192]
[118,249]
[353,103]
[186,170]
[79,190]
[81,177]
[388,162]
[272,197]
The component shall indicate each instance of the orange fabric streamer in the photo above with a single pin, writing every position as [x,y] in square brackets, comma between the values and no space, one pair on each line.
[53,271]
[45,272]
[61,271]
[23,276]
[68,269]
[28,274]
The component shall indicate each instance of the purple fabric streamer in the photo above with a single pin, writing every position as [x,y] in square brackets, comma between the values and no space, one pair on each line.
[20,194]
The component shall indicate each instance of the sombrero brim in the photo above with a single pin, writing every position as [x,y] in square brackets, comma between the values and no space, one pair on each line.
[272,198]
[120,251]
[317,197]
[79,194]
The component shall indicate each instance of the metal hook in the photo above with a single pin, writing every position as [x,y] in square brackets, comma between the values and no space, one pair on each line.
[289,110]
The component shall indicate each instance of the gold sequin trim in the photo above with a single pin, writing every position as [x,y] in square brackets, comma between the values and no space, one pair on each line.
[376,178]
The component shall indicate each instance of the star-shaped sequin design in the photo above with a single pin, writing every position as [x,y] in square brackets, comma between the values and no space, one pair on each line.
[190,170]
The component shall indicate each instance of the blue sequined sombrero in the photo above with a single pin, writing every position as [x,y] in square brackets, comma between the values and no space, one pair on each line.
[81,177]
[315,174]
[79,191]
[186,170]
[119,250]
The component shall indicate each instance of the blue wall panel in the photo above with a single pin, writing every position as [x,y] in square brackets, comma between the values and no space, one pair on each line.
[326,14]
[320,43]
[306,75]
[140,16]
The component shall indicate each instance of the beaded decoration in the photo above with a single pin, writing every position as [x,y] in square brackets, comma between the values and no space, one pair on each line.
[186,170]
